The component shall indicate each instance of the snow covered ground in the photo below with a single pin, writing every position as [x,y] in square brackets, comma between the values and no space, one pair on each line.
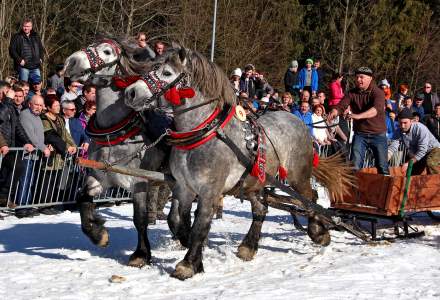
[48,257]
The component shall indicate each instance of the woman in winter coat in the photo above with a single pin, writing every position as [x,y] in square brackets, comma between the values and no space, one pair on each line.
[335,88]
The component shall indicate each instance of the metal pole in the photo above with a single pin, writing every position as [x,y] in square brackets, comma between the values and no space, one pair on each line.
[213,30]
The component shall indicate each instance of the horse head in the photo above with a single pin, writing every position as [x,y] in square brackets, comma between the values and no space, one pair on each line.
[101,57]
[168,78]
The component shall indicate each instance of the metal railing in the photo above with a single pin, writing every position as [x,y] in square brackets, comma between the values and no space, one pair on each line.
[32,180]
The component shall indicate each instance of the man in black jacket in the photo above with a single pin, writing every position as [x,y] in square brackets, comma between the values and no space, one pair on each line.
[27,51]
[15,136]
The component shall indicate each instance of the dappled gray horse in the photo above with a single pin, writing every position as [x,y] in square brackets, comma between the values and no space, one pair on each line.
[204,166]
[117,138]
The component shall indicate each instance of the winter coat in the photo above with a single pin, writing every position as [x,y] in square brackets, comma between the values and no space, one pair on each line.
[336,93]
[55,134]
[302,79]
[10,126]
[29,48]
[433,124]
[291,82]
[77,132]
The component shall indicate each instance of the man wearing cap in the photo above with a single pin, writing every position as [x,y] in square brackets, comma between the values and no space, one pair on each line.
[35,88]
[367,104]
[423,147]
[417,106]
[27,51]
[308,78]
[291,79]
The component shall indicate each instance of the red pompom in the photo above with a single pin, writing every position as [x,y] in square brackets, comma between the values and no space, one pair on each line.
[172,96]
[186,93]
[123,82]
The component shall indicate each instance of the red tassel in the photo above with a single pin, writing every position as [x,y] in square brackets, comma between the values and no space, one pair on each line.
[282,173]
[315,159]
[123,82]
[172,96]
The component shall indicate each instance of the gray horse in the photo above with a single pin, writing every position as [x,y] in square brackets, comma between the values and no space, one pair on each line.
[98,63]
[211,169]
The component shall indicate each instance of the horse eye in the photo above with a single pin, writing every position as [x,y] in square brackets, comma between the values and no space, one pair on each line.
[107,52]
[166,73]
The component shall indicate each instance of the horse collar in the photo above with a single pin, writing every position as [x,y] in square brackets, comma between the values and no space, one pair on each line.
[129,127]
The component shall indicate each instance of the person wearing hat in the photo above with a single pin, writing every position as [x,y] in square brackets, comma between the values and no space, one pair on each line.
[291,79]
[235,80]
[418,105]
[308,78]
[430,99]
[367,103]
[35,88]
[423,148]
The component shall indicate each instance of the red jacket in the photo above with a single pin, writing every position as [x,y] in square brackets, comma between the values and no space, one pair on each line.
[336,93]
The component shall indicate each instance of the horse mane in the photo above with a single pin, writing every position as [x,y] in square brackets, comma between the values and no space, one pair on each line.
[210,79]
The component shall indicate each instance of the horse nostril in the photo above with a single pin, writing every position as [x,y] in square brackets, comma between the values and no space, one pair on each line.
[132,94]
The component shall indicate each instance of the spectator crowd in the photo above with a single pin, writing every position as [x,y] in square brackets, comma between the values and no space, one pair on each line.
[51,116]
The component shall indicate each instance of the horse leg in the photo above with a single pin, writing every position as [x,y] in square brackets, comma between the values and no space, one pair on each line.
[162,199]
[218,208]
[249,246]
[152,203]
[91,223]
[179,218]
[142,255]
[316,229]
[192,263]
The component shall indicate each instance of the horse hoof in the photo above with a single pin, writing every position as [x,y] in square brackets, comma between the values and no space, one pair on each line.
[184,270]
[103,242]
[137,262]
[245,253]
[318,233]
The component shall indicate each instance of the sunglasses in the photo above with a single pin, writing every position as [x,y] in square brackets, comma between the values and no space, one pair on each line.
[427,87]
[141,40]
[71,109]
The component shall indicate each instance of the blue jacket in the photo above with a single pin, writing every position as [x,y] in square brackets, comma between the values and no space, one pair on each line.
[302,79]
[77,132]
[306,118]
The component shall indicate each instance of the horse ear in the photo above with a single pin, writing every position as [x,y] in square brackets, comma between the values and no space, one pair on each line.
[182,55]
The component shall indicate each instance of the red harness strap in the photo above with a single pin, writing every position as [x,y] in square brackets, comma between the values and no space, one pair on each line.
[133,132]
[174,134]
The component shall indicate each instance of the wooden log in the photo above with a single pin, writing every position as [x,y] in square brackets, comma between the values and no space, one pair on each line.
[145,174]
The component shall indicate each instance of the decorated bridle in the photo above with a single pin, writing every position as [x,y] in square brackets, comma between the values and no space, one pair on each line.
[96,62]
[160,88]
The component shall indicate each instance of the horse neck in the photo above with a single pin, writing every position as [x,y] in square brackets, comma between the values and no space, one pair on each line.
[110,107]
[192,118]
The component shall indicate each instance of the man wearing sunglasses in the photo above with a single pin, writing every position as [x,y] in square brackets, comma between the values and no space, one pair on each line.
[430,99]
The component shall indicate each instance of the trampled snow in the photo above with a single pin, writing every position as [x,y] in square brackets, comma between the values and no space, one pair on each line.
[48,257]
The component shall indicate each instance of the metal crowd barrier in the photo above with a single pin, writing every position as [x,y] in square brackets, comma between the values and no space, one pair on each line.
[29,180]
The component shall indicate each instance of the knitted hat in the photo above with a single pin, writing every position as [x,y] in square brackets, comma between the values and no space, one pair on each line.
[405,114]
[385,83]
[236,72]
[294,64]
[365,71]
[309,61]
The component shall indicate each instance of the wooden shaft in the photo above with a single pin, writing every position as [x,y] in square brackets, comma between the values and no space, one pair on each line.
[149,175]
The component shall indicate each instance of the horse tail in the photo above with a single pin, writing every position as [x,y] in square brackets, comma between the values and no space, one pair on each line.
[336,175]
